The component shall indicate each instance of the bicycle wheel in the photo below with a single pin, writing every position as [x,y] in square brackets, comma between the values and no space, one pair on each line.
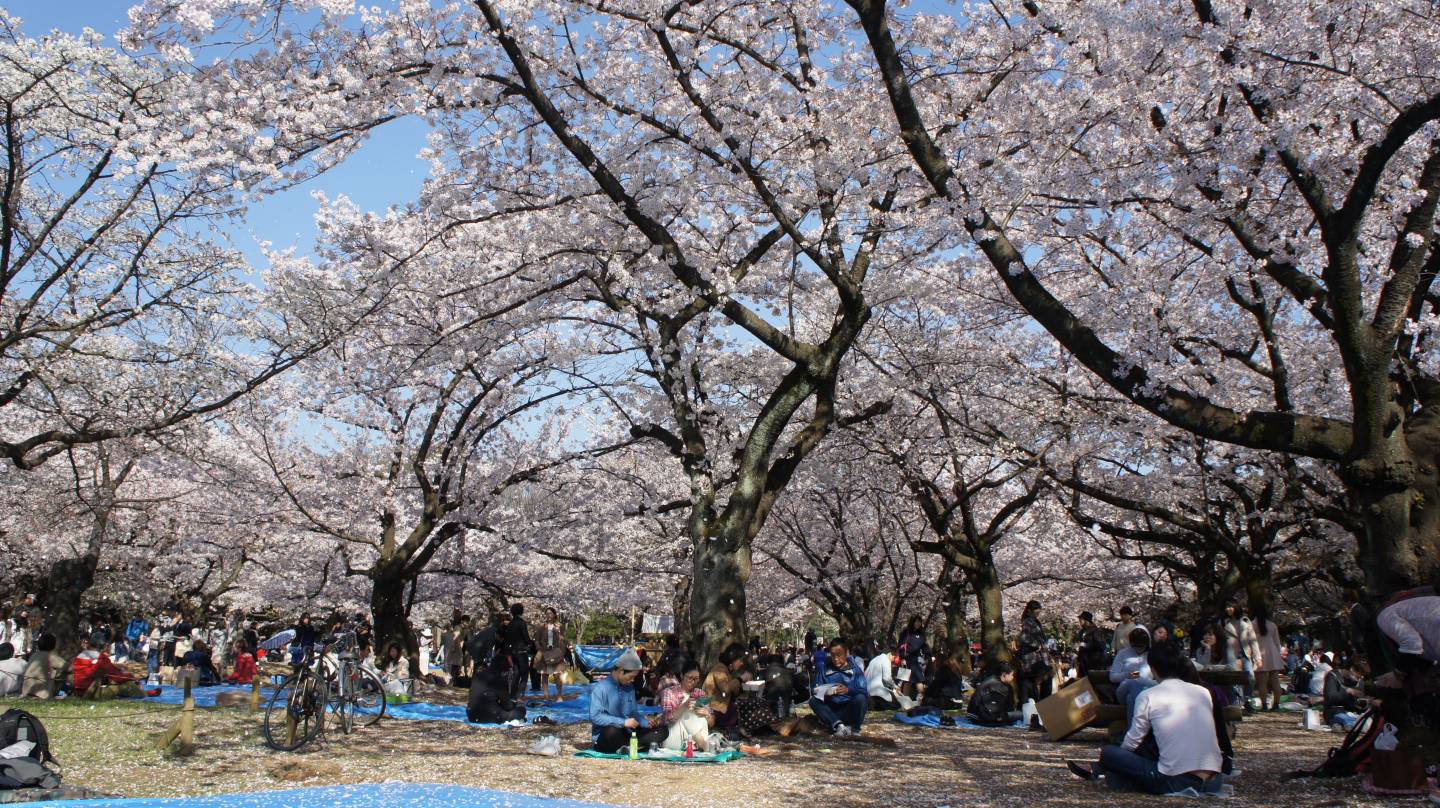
[295,713]
[368,693]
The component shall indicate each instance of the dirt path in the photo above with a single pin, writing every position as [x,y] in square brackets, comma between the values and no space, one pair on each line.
[108,747]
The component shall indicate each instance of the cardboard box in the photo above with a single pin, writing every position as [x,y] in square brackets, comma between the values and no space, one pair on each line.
[1069,709]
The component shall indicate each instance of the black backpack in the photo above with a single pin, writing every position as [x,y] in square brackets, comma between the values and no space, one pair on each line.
[16,725]
[1353,754]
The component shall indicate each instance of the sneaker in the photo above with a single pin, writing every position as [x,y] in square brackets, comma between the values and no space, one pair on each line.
[1085,771]
[842,730]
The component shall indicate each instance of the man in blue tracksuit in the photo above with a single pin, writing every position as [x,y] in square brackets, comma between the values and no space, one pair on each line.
[840,698]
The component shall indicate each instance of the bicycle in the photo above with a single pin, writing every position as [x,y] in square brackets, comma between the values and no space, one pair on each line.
[323,683]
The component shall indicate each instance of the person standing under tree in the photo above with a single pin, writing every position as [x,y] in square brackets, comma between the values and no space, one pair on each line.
[1035,673]
[1090,646]
[522,647]
[914,654]
[550,655]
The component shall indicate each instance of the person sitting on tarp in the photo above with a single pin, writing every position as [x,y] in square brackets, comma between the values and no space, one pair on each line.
[490,699]
[839,696]
[92,668]
[993,704]
[1178,718]
[683,710]
[615,714]
[199,656]
[245,669]
[947,689]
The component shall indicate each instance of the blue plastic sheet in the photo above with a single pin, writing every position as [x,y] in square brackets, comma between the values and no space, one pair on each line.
[599,657]
[932,721]
[204,696]
[575,709]
[368,795]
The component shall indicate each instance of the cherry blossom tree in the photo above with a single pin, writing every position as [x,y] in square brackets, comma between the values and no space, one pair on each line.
[125,311]
[1140,199]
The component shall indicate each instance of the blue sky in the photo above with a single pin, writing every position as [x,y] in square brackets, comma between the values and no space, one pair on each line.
[383,173]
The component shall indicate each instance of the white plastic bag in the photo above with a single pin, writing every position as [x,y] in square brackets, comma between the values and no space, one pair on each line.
[1387,742]
[549,746]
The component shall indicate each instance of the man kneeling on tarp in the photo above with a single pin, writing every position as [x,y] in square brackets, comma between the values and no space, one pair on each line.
[840,697]
[614,713]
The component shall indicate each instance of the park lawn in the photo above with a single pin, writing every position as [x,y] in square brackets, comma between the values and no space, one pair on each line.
[110,747]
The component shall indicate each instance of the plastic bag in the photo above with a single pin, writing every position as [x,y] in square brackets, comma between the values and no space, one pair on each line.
[549,746]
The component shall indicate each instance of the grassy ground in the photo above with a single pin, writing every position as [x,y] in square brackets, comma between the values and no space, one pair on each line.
[110,747]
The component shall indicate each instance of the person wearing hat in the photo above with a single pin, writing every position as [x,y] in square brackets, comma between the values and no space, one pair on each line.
[615,714]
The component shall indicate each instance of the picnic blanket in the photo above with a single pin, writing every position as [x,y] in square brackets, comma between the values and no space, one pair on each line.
[599,657]
[365,795]
[932,721]
[205,696]
[574,710]
[667,756]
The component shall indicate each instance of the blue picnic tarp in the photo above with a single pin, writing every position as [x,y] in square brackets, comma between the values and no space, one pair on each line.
[204,696]
[365,795]
[932,720]
[599,657]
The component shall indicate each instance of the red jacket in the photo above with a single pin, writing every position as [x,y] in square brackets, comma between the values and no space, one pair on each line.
[87,665]
[244,672]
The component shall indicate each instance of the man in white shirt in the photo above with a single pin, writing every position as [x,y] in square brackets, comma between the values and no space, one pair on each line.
[1181,718]
[880,680]
[12,671]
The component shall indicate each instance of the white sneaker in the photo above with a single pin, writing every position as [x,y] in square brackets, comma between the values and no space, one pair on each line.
[843,730]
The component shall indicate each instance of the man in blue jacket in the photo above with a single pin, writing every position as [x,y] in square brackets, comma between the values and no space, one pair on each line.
[614,713]
[839,696]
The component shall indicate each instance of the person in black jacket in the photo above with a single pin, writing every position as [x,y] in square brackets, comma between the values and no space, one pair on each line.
[521,648]
[993,704]
[1090,647]
[490,700]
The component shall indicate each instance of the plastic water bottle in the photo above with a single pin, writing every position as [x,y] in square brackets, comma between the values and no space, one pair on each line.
[634,746]
[690,748]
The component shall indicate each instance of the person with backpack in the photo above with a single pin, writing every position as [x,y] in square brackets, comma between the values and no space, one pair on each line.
[993,704]
[1180,717]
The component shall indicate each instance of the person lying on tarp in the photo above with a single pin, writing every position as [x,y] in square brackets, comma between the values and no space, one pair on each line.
[993,704]
[615,714]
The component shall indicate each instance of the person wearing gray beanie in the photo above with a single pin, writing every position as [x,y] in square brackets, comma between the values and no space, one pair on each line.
[614,712]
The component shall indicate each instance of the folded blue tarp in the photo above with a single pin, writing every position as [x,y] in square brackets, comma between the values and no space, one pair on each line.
[366,795]
[599,657]
[932,720]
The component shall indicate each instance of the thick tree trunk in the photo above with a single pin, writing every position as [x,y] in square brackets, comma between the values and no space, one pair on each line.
[387,609]
[680,603]
[717,597]
[856,628]
[989,594]
[957,634]
[1259,590]
[66,583]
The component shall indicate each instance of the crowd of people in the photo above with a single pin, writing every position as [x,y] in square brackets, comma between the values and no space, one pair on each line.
[1174,737]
